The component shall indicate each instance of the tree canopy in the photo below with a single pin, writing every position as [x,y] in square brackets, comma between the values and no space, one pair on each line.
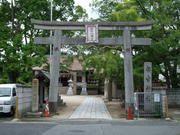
[18,54]
[165,48]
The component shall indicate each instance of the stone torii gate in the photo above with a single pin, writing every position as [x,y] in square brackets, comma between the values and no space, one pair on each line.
[57,40]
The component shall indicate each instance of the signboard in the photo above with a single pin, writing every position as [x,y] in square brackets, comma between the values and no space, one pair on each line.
[91,33]
[156,97]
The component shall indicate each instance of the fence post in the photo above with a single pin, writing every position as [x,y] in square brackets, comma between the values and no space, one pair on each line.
[17,108]
[165,107]
[166,103]
[136,109]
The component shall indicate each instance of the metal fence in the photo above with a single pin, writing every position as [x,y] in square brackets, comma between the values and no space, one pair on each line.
[148,104]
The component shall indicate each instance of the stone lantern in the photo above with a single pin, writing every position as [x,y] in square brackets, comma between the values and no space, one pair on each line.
[84,88]
[70,90]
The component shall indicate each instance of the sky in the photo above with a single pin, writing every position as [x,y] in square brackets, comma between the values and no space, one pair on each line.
[85,5]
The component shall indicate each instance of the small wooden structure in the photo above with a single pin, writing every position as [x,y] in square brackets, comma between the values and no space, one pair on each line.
[43,85]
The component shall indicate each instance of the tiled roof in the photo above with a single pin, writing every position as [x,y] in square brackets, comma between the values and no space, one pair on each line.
[76,65]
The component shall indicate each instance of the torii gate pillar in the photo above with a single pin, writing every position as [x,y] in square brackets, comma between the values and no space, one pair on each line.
[54,76]
[128,72]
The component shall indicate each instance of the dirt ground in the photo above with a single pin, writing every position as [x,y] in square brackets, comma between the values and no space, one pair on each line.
[115,109]
[174,113]
[72,102]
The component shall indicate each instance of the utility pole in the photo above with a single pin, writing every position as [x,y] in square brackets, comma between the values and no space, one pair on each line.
[12,16]
[51,18]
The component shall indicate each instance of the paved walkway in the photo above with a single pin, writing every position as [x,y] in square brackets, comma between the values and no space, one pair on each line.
[91,108]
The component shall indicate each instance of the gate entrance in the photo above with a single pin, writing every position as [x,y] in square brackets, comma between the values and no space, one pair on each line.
[57,40]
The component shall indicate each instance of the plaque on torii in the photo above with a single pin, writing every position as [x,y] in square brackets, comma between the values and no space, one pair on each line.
[91,33]
[57,40]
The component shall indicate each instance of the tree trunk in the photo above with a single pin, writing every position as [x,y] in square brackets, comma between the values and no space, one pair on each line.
[168,81]
[173,75]
[13,75]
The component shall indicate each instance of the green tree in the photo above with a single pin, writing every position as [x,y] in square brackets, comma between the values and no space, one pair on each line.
[18,54]
[108,66]
[165,48]
[164,52]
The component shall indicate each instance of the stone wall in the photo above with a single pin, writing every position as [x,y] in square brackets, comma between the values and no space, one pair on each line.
[24,95]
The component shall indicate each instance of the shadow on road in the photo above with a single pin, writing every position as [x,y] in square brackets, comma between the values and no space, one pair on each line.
[5,117]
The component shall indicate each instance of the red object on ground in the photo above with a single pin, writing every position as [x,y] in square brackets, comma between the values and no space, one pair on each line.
[46,110]
[130,115]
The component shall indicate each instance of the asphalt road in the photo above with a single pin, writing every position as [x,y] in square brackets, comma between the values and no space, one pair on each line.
[69,127]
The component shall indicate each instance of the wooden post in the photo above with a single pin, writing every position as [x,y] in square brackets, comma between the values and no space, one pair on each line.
[165,107]
[54,77]
[128,70]
[74,83]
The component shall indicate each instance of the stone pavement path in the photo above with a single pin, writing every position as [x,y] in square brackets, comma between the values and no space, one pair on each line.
[91,108]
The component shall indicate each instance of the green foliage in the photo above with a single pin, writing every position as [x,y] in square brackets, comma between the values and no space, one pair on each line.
[126,11]
[107,64]
[165,48]
[18,53]
[164,52]
[104,7]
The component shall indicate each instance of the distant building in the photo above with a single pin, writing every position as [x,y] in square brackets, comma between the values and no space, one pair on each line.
[74,72]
